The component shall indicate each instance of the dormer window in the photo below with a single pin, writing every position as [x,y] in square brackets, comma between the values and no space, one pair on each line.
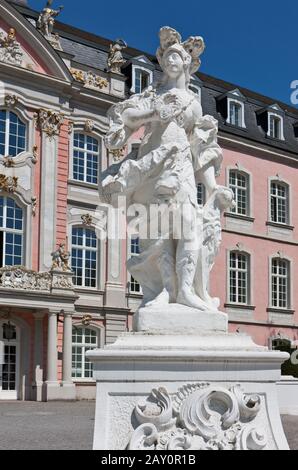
[235,113]
[271,121]
[231,106]
[275,126]
[139,71]
[195,86]
[142,80]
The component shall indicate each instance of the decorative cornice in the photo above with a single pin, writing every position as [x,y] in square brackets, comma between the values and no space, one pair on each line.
[49,122]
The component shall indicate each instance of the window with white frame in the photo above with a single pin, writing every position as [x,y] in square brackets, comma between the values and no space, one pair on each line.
[12,134]
[279,202]
[85,158]
[84,256]
[275,126]
[195,89]
[83,339]
[201,194]
[142,80]
[280,283]
[134,286]
[239,278]
[239,184]
[236,112]
[11,233]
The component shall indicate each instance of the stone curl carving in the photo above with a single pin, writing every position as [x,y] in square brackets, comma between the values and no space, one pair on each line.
[199,417]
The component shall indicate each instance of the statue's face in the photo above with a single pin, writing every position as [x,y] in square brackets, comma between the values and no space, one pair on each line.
[173,64]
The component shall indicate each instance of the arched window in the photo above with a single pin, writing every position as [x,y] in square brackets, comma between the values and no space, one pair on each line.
[11,233]
[239,184]
[84,257]
[142,80]
[85,158]
[280,283]
[239,278]
[12,134]
[279,202]
[83,339]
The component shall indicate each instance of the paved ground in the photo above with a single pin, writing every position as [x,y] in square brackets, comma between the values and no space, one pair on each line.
[66,426]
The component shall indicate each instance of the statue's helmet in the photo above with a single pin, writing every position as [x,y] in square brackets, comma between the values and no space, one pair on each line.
[189,50]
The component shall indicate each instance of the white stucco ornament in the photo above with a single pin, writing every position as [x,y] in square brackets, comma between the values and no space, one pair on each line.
[178,151]
[199,417]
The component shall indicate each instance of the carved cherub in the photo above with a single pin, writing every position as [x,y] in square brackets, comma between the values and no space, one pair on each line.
[46,20]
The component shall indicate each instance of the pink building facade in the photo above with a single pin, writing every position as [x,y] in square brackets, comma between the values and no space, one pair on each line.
[53,119]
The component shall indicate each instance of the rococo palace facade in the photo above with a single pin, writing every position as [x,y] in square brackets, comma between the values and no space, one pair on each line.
[55,92]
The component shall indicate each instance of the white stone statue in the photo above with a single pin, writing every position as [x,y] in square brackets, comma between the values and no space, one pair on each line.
[46,20]
[178,151]
[115,58]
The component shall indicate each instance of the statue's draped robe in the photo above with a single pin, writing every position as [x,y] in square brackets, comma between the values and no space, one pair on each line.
[167,174]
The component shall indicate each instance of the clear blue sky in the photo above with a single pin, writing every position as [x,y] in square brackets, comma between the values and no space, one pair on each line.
[250,43]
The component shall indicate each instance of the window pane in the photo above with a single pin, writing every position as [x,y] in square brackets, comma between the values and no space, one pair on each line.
[85,158]
[239,184]
[239,278]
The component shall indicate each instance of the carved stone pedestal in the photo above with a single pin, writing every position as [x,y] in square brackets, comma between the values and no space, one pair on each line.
[194,392]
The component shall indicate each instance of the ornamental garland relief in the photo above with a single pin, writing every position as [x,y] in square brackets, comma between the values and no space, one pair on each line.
[199,417]
[89,79]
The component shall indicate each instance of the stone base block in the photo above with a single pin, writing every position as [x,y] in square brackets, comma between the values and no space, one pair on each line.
[179,319]
[54,391]
[175,392]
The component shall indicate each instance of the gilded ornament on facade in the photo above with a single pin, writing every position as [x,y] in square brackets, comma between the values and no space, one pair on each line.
[34,205]
[118,154]
[89,79]
[34,154]
[86,320]
[89,125]
[11,100]
[8,161]
[8,183]
[87,219]
[49,122]
[10,49]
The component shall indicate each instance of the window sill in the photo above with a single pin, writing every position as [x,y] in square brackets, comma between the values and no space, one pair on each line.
[282,311]
[274,139]
[84,381]
[234,126]
[280,226]
[133,295]
[83,184]
[232,215]
[84,290]
[240,307]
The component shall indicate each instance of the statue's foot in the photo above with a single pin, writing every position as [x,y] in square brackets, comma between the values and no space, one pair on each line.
[186,297]
[161,299]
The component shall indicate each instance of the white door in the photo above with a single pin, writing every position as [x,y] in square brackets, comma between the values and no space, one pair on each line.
[9,371]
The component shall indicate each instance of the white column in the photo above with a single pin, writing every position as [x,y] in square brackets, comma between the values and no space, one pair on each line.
[67,350]
[38,377]
[52,349]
